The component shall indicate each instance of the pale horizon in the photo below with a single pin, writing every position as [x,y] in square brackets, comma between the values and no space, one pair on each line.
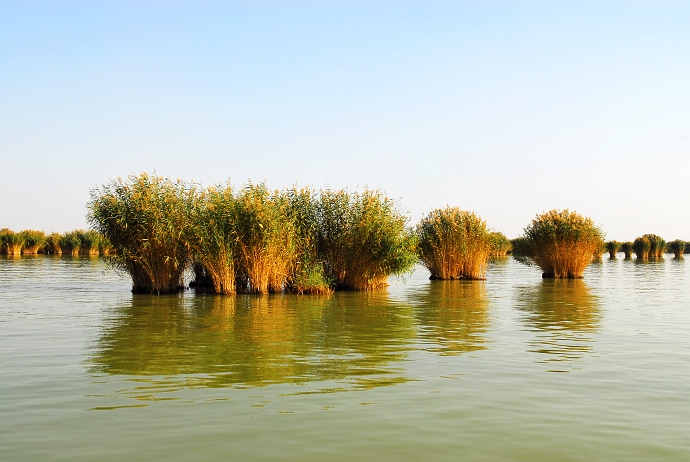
[507,109]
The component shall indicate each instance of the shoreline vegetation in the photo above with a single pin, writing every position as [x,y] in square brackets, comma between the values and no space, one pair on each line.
[306,241]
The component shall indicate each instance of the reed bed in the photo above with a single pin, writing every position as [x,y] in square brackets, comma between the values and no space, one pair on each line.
[677,246]
[499,244]
[453,244]
[627,248]
[148,221]
[613,247]
[561,243]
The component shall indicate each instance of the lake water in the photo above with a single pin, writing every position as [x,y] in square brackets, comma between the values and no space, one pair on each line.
[511,368]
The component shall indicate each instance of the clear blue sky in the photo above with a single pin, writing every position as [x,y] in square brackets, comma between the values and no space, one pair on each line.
[505,108]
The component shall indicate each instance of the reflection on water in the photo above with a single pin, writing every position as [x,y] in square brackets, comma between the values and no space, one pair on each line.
[452,316]
[246,341]
[563,313]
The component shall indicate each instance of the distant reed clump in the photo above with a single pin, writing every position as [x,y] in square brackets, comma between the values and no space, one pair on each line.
[613,247]
[677,246]
[627,248]
[499,244]
[454,244]
[148,222]
[561,243]
[32,242]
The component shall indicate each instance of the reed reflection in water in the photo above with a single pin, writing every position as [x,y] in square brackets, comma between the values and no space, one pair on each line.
[564,314]
[452,316]
[245,341]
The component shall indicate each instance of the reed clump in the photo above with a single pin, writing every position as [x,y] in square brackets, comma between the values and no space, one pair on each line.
[641,247]
[52,244]
[308,275]
[362,238]
[613,247]
[34,241]
[657,245]
[453,244]
[70,242]
[562,243]
[11,242]
[266,247]
[148,221]
[677,246]
[627,248]
[499,244]
[90,242]
[215,240]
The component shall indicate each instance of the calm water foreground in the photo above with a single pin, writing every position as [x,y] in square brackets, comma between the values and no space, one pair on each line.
[513,368]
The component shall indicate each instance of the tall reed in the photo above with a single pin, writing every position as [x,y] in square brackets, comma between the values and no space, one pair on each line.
[627,248]
[499,244]
[453,244]
[70,242]
[52,244]
[562,243]
[308,275]
[641,247]
[677,246]
[613,247]
[90,242]
[11,242]
[362,239]
[148,220]
[596,256]
[215,239]
[657,245]
[266,239]
[33,241]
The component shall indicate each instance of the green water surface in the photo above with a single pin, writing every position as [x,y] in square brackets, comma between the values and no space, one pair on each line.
[511,368]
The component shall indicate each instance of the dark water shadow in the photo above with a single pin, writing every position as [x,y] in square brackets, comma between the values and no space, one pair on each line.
[563,314]
[452,316]
[174,342]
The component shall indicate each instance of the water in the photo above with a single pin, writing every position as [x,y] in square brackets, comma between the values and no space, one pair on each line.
[515,368]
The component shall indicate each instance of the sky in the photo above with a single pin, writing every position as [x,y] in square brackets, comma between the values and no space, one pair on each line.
[508,109]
